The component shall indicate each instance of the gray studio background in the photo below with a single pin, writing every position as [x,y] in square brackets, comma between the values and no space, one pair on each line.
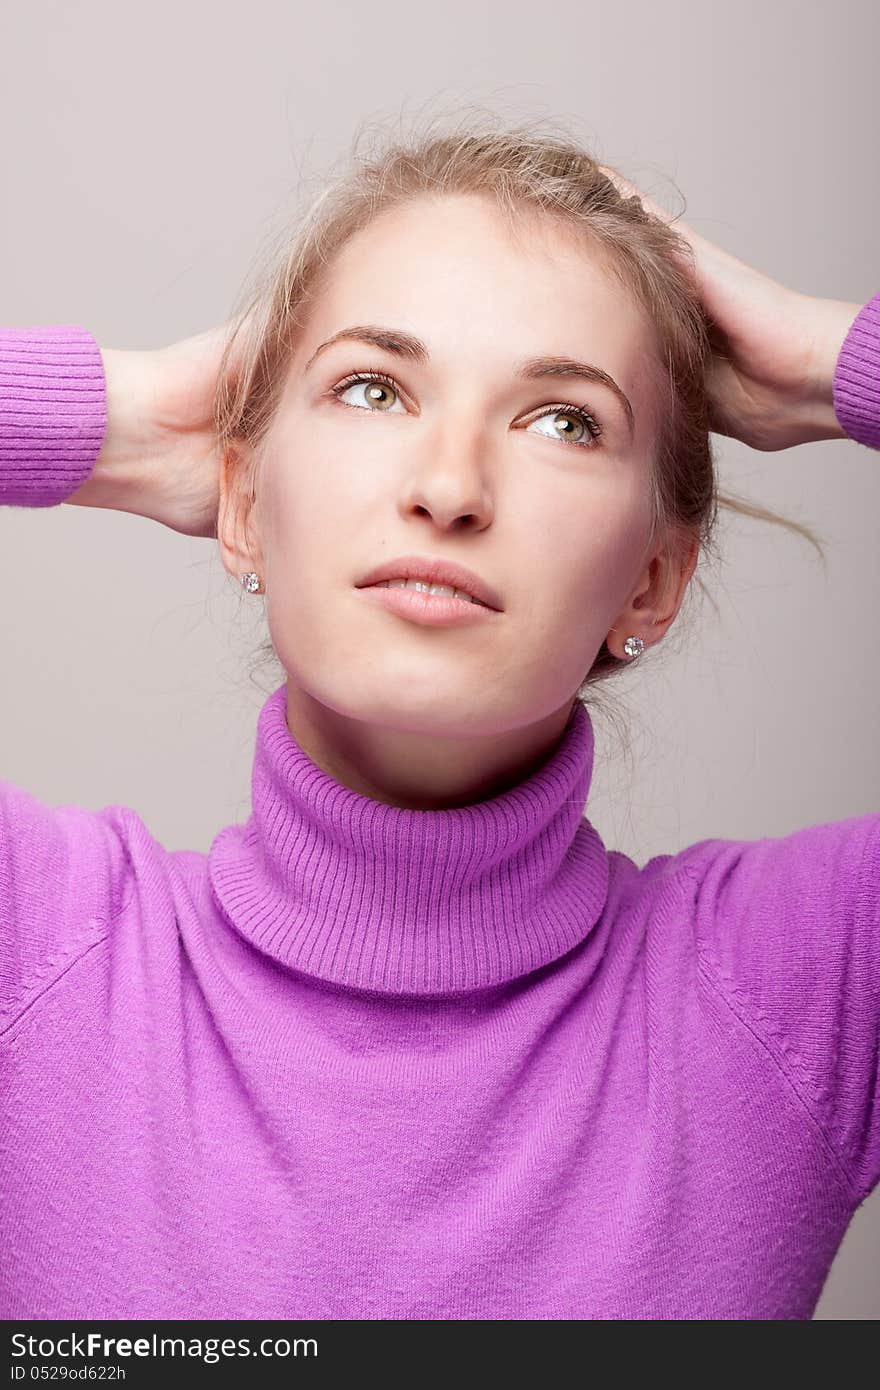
[147,153]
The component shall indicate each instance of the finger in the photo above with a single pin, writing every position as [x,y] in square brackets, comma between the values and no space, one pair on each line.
[629,190]
[699,247]
[720,275]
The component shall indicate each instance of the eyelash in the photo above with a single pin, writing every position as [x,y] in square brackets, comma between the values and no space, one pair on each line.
[592,425]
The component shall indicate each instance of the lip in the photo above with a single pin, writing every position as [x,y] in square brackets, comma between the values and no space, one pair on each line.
[434,571]
[434,610]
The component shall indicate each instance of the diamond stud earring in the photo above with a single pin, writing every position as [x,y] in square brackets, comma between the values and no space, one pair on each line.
[633,646]
[251,582]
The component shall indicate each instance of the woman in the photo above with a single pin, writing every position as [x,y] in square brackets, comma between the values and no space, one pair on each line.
[412,1043]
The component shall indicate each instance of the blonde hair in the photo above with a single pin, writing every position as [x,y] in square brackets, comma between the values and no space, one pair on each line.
[522,167]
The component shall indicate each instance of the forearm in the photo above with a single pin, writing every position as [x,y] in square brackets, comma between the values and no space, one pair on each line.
[831,320]
[159,457]
[124,475]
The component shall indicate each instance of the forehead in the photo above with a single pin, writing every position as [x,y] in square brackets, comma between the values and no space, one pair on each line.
[450,264]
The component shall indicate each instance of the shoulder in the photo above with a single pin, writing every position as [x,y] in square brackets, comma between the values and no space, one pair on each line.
[68,876]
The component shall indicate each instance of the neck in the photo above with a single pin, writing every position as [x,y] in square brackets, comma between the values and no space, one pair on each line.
[418,768]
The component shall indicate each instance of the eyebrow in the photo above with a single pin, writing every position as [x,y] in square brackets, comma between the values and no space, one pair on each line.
[406,345]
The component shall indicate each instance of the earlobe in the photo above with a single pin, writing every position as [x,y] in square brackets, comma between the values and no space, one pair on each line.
[632,646]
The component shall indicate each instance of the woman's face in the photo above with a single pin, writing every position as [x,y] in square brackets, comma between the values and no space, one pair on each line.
[458,456]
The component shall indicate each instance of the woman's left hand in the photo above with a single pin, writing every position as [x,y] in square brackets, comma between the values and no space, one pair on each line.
[774,349]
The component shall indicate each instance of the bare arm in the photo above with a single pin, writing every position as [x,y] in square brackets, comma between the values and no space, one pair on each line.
[160,456]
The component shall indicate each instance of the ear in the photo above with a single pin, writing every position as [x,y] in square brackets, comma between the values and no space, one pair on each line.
[238,534]
[656,599]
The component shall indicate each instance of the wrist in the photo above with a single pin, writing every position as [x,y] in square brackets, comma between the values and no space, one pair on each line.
[123,476]
[828,322]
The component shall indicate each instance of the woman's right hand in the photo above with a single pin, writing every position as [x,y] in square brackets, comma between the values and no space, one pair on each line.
[160,457]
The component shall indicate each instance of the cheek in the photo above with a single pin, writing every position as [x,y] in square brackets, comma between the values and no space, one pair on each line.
[589,550]
[303,500]
[332,487]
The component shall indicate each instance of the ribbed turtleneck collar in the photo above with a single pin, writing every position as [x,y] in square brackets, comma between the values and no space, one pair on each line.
[348,889]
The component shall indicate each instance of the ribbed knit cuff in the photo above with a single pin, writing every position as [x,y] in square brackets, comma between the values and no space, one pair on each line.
[53,412]
[856,386]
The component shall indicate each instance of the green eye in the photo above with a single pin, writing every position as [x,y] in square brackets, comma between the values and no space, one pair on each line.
[588,426]
[379,384]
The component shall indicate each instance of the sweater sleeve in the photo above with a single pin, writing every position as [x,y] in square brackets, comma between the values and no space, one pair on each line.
[63,869]
[788,933]
[53,413]
[856,385]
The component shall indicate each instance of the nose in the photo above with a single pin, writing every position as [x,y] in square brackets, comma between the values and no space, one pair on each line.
[452,480]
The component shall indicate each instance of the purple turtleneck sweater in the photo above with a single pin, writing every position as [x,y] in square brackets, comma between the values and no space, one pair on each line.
[364,1062]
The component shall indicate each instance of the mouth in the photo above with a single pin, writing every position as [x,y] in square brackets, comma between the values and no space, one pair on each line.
[418,603]
[436,576]
[420,586]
